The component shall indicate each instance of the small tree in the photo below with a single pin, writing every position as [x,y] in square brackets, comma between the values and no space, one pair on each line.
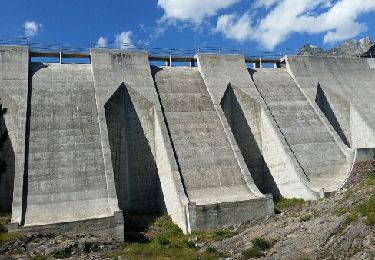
[3,138]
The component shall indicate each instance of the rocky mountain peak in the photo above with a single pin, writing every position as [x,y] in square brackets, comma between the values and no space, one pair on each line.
[352,47]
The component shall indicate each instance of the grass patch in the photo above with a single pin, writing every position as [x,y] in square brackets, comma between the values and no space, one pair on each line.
[166,241]
[340,211]
[6,237]
[282,204]
[305,218]
[260,245]
[366,210]
[371,179]
[4,221]
[213,235]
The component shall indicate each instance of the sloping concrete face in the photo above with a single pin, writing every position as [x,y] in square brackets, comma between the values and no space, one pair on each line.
[262,144]
[123,84]
[232,90]
[347,84]
[64,178]
[14,68]
[90,141]
[65,168]
[218,191]
[316,150]
[135,171]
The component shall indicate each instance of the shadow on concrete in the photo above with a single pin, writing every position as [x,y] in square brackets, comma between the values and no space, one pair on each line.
[323,103]
[136,175]
[246,142]
[136,226]
[7,168]
[35,66]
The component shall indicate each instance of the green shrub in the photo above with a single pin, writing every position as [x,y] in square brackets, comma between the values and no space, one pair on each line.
[211,250]
[253,252]
[163,241]
[259,246]
[305,218]
[261,243]
[190,244]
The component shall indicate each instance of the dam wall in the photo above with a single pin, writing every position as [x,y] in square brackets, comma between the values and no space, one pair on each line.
[344,91]
[65,168]
[225,74]
[324,163]
[129,74]
[91,143]
[219,193]
[14,79]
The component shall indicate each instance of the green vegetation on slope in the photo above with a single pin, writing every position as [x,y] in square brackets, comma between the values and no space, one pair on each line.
[282,204]
[6,237]
[166,241]
[371,179]
[260,245]
[365,209]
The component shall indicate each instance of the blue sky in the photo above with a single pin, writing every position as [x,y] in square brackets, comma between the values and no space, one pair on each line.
[252,25]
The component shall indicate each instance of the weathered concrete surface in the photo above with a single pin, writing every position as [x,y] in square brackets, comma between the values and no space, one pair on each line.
[196,142]
[319,154]
[211,174]
[136,175]
[7,155]
[232,90]
[345,94]
[65,179]
[14,68]
[128,74]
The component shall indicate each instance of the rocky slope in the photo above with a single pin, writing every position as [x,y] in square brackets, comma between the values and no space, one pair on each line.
[338,227]
[330,228]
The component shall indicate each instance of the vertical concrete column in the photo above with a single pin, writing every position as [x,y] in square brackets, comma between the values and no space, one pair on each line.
[14,84]
[111,69]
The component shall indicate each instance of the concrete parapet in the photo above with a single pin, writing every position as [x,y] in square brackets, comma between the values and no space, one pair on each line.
[14,75]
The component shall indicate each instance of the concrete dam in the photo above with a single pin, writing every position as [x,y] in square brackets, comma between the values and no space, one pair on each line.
[210,145]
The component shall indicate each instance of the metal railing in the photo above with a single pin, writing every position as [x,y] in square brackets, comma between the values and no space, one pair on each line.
[176,53]
[15,41]
[120,46]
